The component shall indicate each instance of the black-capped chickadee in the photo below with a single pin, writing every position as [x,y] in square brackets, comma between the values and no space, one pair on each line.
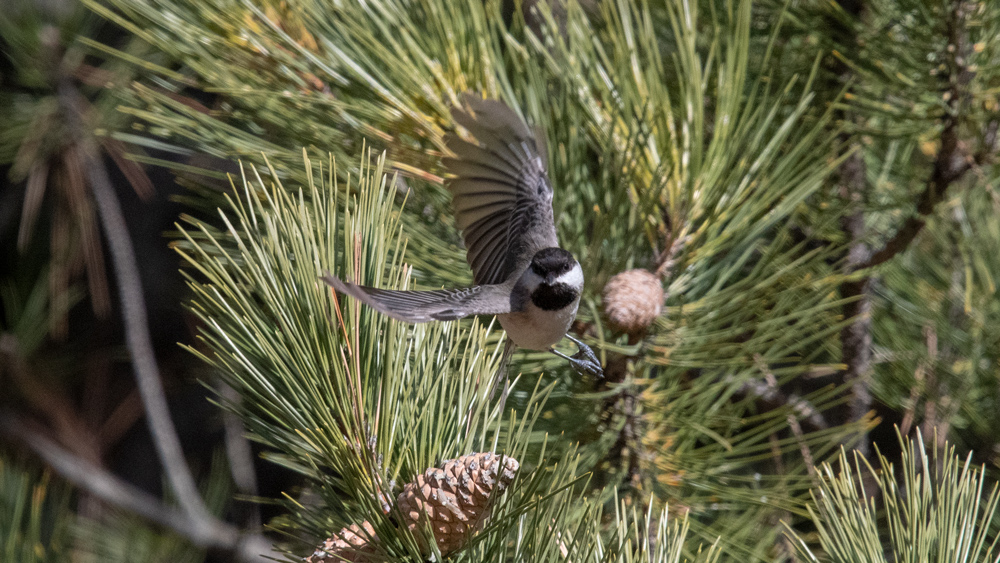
[503,205]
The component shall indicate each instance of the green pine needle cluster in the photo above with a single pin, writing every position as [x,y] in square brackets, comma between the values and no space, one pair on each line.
[352,399]
[936,507]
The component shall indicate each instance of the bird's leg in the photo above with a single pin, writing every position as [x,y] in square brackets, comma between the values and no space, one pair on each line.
[584,361]
[501,380]
[503,375]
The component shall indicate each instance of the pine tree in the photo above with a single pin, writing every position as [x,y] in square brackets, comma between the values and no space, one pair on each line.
[810,185]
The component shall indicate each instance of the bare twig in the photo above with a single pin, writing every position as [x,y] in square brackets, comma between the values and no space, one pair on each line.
[110,488]
[121,419]
[668,258]
[856,337]
[211,534]
[147,373]
[59,410]
[240,454]
[852,186]
[793,421]
[775,445]
[774,397]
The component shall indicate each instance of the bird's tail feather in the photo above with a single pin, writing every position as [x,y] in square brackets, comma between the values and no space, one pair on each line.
[426,306]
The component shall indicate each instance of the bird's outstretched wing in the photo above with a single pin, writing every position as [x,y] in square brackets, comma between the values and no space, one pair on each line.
[426,306]
[501,194]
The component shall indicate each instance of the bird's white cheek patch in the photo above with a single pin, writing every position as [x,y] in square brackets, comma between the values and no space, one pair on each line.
[572,278]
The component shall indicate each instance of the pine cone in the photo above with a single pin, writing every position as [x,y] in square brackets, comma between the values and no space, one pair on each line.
[349,545]
[632,301]
[454,499]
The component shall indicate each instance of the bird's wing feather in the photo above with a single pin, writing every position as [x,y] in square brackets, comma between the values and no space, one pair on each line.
[426,306]
[501,193]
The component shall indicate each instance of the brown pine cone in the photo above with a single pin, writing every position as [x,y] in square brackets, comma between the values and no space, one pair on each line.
[453,500]
[349,545]
[632,301]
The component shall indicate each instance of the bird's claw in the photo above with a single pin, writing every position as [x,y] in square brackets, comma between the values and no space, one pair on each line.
[586,365]
[585,361]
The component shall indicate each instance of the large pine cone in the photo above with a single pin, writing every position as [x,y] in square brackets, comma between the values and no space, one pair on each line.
[632,301]
[349,545]
[453,500]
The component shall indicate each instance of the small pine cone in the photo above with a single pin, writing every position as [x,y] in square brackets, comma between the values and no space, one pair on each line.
[349,545]
[453,499]
[632,301]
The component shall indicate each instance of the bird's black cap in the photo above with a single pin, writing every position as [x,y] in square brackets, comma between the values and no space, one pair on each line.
[552,261]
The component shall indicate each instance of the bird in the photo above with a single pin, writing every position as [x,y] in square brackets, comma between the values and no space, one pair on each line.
[502,203]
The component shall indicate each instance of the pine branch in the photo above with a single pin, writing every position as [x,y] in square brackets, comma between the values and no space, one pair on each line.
[936,507]
[949,166]
[354,400]
[951,162]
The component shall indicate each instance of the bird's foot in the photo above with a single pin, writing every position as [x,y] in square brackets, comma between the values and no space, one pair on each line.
[584,361]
